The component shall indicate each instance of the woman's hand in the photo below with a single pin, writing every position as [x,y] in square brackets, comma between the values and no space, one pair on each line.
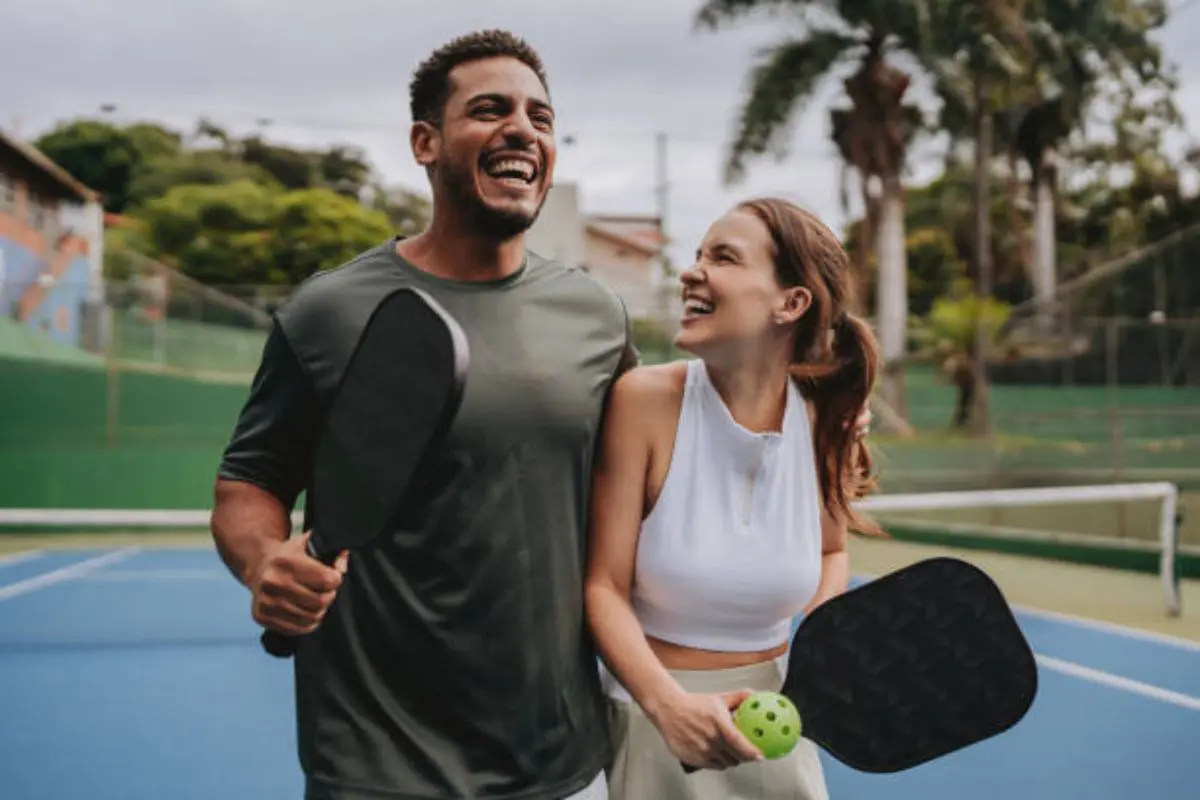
[699,730]
[862,425]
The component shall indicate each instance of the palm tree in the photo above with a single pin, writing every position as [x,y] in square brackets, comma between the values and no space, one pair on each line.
[975,50]
[1114,38]
[947,336]
[872,135]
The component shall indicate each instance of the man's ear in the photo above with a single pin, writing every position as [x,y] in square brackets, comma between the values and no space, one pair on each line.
[796,303]
[426,142]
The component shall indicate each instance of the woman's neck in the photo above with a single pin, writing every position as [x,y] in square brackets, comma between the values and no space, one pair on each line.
[754,390]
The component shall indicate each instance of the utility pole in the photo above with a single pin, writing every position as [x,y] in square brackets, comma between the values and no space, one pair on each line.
[663,193]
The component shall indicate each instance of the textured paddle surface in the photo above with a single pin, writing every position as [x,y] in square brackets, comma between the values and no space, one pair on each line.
[396,400]
[399,395]
[912,666]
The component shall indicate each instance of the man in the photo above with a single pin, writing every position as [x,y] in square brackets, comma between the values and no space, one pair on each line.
[451,660]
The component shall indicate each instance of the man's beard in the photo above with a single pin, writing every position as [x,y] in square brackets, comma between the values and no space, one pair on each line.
[492,223]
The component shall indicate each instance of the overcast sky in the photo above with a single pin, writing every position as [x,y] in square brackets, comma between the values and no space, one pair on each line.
[328,71]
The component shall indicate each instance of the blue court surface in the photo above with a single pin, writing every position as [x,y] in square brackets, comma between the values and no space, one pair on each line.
[137,674]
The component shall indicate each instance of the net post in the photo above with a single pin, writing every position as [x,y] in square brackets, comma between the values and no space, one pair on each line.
[1169,524]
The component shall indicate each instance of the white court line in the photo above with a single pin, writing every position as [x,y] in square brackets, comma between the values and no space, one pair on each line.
[156,575]
[1118,682]
[64,573]
[1111,628]
[18,557]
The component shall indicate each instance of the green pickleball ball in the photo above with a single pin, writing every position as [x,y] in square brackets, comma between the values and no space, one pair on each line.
[770,721]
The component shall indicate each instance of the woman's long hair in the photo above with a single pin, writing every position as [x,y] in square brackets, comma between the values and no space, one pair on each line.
[836,357]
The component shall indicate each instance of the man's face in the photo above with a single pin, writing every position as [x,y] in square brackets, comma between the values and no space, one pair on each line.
[493,159]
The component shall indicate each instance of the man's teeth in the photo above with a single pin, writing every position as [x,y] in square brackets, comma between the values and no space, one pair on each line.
[511,168]
[698,307]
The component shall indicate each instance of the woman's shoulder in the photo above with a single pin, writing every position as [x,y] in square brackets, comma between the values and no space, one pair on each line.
[655,382]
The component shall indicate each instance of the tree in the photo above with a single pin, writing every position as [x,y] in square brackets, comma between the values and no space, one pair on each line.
[316,229]
[249,233]
[873,135]
[947,336]
[131,165]
[106,157]
[1083,46]
[217,234]
[976,51]
[408,211]
[158,176]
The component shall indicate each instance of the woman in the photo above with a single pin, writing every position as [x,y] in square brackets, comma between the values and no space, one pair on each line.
[721,505]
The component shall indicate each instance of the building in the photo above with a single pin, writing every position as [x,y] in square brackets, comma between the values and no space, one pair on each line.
[622,250]
[51,245]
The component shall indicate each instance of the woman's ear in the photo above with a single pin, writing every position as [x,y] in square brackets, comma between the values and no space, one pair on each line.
[796,303]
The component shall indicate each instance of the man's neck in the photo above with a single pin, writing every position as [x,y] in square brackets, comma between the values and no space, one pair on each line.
[446,250]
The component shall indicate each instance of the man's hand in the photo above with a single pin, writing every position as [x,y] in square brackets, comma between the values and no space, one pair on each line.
[291,590]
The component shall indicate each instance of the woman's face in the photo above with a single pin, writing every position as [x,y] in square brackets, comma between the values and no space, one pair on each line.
[731,295]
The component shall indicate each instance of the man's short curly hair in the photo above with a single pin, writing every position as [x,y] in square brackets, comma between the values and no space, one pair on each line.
[430,85]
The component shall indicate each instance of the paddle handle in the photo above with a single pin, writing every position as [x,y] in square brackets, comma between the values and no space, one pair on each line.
[282,645]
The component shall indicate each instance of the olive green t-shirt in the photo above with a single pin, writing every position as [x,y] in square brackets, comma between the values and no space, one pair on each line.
[455,661]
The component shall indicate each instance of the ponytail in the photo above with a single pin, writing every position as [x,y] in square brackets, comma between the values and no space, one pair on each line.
[839,383]
[836,357]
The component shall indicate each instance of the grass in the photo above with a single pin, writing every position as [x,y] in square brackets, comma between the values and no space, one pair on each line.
[20,542]
[1119,597]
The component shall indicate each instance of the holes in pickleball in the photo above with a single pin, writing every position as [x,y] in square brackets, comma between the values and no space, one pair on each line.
[770,716]
[759,733]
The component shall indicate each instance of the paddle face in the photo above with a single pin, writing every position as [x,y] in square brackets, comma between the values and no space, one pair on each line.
[396,400]
[910,667]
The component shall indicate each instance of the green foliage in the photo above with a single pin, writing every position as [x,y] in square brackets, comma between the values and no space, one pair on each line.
[192,168]
[101,156]
[248,233]
[654,344]
[934,268]
[317,229]
[954,321]
[228,210]
[875,133]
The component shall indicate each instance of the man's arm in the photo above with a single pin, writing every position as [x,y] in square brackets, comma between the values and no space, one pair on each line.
[265,465]
[247,523]
[265,468]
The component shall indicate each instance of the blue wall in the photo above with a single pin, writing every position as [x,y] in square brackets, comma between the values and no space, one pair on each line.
[65,299]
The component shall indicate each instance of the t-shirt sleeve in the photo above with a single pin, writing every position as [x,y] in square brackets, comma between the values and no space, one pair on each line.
[273,441]
[630,357]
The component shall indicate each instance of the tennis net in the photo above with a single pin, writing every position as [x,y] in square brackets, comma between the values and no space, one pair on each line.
[1128,526]
[1135,526]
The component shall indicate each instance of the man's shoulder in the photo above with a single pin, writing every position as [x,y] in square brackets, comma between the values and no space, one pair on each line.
[326,314]
[336,288]
[576,280]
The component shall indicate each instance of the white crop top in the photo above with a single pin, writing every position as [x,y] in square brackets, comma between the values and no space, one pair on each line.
[731,551]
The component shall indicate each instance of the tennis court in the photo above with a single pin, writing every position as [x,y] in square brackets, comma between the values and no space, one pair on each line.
[135,672]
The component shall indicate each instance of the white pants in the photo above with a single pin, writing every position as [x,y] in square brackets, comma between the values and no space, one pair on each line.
[597,790]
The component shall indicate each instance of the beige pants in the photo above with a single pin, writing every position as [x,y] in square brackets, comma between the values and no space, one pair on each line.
[644,769]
